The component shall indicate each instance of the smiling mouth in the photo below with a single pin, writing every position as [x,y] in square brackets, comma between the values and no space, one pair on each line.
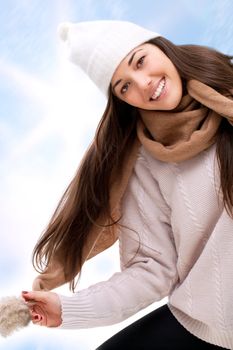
[159,90]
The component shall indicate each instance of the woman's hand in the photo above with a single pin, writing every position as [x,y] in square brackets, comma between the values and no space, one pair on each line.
[45,308]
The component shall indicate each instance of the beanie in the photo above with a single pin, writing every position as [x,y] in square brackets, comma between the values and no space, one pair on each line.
[98,47]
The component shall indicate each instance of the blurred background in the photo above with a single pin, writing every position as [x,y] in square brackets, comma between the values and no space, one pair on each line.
[48,114]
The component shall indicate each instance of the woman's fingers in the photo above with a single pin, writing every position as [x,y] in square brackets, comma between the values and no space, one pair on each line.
[38,285]
[34,296]
[37,318]
[45,308]
[36,302]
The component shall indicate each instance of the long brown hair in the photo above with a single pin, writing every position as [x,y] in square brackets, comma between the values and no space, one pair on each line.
[87,196]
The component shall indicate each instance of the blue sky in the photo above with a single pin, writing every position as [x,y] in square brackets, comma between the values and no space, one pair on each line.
[48,115]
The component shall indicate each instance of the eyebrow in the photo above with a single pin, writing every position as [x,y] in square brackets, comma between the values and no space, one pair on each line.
[129,63]
[132,57]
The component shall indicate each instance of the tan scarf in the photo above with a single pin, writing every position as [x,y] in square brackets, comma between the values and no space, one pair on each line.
[187,130]
[170,136]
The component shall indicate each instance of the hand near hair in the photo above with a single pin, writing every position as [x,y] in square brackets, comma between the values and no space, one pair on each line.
[45,308]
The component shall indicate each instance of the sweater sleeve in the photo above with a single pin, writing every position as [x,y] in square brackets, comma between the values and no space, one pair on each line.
[148,260]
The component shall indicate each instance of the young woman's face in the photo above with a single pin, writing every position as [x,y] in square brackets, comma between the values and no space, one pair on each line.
[146,78]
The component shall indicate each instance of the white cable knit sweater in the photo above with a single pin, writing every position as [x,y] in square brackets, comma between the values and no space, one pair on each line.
[176,241]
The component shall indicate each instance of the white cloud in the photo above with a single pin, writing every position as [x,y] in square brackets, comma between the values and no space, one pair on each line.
[219,33]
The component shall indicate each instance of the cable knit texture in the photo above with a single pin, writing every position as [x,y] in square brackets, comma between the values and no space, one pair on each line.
[178,243]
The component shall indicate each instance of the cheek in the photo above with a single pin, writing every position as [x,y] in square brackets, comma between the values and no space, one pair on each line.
[176,93]
[174,73]
[155,67]
[175,79]
[134,98]
[131,95]
[160,64]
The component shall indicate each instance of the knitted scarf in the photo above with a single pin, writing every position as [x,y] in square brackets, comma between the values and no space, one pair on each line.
[170,136]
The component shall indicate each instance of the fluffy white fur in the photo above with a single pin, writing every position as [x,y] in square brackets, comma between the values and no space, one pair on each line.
[14,314]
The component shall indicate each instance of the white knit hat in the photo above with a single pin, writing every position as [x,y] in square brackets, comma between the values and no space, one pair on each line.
[99,46]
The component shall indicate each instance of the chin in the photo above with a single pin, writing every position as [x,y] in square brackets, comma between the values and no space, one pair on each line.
[174,102]
[173,106]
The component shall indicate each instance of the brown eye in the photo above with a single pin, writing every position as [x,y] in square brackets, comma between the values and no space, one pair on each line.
[124,88]
[140,61]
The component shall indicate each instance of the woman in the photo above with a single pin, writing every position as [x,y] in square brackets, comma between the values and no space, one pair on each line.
[158,176]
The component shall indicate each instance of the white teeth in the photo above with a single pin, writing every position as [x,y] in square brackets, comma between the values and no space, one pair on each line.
[159,90]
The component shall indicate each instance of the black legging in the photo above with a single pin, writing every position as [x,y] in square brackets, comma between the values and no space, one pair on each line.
[159,330]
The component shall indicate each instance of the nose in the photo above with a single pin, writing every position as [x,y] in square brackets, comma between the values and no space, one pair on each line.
[143,82]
